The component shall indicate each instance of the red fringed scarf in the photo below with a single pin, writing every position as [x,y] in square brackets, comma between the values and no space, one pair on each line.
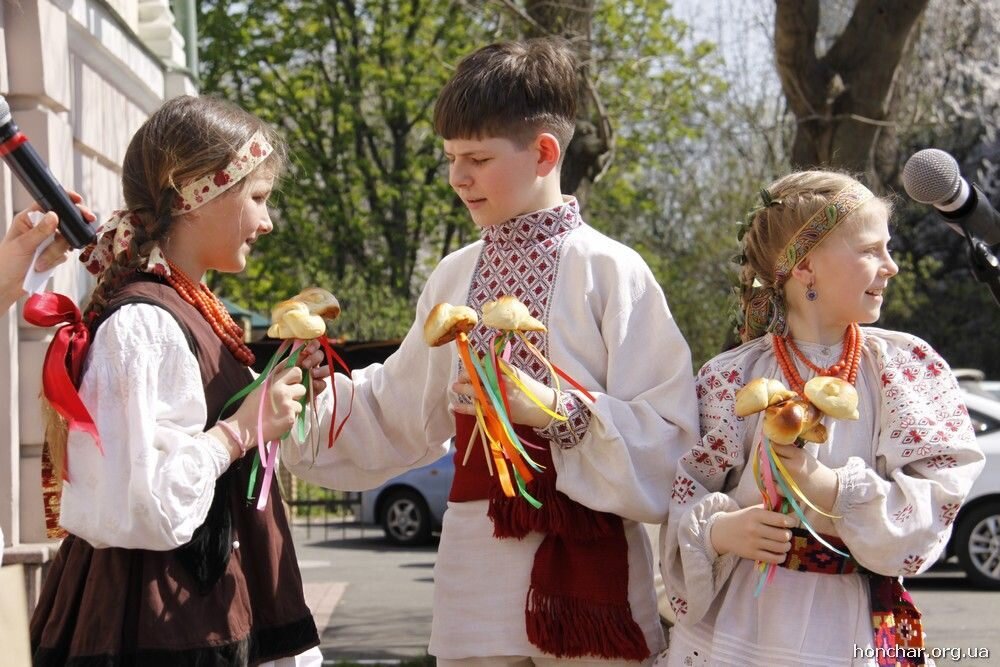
[577,605]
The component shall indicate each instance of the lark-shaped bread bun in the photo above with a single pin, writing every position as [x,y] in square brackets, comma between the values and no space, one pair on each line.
[509,314]
[759,394]
[835,397]
[304,315]
[320,302]
[446,321]
[787,420]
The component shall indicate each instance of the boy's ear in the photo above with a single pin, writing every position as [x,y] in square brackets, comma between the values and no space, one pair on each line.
[548,153]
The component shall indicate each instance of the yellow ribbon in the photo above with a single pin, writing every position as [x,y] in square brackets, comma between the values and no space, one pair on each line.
[795,488]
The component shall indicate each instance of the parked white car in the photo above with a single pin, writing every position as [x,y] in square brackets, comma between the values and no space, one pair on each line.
[976,536]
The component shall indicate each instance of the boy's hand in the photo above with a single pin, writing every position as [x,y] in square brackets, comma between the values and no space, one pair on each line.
[754,533]
[522,409]
[309,361]
[817,481]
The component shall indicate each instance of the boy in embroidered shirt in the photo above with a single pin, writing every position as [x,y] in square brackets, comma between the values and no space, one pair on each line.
[515,585]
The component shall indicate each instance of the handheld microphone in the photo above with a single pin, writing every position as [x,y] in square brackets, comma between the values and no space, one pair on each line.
[39,181]
[931,176]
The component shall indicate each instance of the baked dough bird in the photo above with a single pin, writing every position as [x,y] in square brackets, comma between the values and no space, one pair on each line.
[304,316]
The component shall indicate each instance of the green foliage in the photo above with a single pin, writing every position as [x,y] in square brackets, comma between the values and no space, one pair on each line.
[654,83]
[351,87]
[365,208]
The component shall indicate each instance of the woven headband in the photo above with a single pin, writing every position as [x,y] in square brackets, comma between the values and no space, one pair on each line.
[764,309]
[817,227]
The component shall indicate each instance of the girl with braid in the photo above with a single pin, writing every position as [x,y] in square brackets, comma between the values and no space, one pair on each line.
[815,265]
[164,562]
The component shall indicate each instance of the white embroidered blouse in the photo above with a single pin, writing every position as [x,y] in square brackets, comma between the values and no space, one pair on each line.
[903,469]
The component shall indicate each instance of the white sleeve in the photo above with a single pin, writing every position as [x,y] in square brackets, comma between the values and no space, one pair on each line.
[154,483]
[399,417]
[643,422]
[692,571]
[897,523]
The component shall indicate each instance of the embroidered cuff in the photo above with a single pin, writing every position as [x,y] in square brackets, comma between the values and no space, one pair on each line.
[850,485]
[568,433]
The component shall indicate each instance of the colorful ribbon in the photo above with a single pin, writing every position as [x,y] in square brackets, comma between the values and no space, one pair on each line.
[493,424]
[778,488]
[287,355]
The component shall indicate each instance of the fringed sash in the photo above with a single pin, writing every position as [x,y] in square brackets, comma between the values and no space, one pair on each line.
[577,604]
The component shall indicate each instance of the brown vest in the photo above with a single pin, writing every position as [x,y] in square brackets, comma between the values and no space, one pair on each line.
[208,602]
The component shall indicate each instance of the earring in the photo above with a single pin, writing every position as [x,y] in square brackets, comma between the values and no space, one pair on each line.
[810,292]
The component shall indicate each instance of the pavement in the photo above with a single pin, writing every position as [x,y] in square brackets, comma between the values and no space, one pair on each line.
[371,601]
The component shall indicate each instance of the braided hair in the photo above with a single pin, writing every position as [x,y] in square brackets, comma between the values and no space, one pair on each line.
[185,139]
[789,203]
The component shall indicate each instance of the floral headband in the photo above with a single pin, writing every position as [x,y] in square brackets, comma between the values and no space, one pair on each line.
[114,236]
[210,186]
[764,310]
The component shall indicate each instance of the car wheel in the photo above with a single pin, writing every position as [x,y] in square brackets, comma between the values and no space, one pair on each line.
[977,544]
[405,518]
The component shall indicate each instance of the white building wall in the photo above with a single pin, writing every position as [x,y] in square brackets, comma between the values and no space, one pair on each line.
[80,76]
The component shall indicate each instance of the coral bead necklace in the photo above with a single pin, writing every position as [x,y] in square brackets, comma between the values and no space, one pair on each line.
[846,368]
[202,298]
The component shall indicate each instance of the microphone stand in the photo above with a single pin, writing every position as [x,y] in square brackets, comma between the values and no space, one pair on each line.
[984,263]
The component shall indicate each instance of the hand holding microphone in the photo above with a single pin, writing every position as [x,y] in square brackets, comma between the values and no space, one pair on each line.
[17,249]
[39,181]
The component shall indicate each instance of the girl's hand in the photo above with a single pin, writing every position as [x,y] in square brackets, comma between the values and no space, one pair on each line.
[281,406]
[754,533]
[309,361]
[816,480]
[522,409]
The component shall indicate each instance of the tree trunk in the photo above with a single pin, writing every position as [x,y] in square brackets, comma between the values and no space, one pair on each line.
[841,100]
[591,145]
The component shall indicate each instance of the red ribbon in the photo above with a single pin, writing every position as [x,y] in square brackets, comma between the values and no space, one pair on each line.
[64,358]
[332,356]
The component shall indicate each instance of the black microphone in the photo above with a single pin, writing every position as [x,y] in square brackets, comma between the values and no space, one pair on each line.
[931,176]
[39,181]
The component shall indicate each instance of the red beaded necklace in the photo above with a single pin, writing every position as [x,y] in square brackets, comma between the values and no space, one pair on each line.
[846,368]
[199,296]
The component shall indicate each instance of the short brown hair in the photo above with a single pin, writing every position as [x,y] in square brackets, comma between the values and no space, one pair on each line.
[513,90]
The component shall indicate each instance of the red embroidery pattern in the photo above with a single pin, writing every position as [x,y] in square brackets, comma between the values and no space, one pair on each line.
[679,605]
[903,514]
[683,489]
[948,513]
[925,413]
[912,564]
[521,257]
[942,461]
[720,448]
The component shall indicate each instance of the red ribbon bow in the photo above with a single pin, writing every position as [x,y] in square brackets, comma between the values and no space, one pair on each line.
[64,358]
